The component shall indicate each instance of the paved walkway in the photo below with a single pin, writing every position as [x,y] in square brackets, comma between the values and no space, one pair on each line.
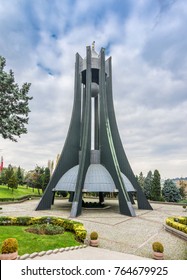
[90,253]
[121,237]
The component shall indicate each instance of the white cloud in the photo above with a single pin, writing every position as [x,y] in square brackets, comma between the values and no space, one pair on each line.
[147,43]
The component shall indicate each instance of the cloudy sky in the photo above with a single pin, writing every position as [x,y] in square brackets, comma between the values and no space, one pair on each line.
[147,40]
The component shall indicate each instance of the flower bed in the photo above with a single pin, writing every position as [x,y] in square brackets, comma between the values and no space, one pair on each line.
[75,227]
[177,225]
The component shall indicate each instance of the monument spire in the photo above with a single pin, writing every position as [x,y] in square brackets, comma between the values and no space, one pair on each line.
[93,45]
[105,168]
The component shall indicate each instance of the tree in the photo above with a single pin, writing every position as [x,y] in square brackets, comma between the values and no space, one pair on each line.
[156,186]
[183,188]
[29,179]
[35,178]
[170,192]
[14,107]
[46,178]
[9,172]
[12,182]
[148,184]
[19,174]
[3,177]
[141,180]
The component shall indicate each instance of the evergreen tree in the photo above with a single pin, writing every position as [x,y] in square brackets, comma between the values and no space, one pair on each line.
[12,182]
[141,180]
[148,184]
[19,174]
[13,105]
[170,192]
[46,178]
[156,186]
[3,176]
[9,173]
[39,178]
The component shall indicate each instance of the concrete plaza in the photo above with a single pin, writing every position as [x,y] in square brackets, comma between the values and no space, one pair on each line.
[120,237]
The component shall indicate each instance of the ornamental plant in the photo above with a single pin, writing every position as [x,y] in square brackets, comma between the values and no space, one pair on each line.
[47,229]
[158,247]
[76,227]
[179,223]
[10,245]
[93,235]
[170,192]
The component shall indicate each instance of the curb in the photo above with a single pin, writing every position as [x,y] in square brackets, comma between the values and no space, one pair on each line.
[49,252]
[176,232]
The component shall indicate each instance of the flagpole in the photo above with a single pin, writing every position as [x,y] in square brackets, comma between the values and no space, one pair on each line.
[1,165]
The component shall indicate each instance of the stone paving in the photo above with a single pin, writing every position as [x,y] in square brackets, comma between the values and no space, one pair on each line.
[129,235]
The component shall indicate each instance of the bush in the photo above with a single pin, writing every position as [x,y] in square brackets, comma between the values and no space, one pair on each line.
[179,223]
[24,221]
[4,220]
[57,221]
[10,245]
[170,192]
[80,232]
[93,235]
[158,247]
[76,227]
[68,225]
[47,229]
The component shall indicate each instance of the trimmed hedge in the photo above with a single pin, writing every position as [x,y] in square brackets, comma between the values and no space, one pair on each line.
[179,223]
[69,225]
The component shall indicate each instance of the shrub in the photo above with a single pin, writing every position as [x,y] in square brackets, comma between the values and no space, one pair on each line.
[158,247]
[170,192]
[80,235]
[179,223]
[42,220]
[80,232]
[76,227]
[4,220]
[68,225]
[57,221]
[24,221]
[10,245]
[35,220]
[47,229]
[93,235]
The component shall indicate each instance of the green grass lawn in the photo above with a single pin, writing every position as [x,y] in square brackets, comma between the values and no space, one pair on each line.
[29,243]
[17,193]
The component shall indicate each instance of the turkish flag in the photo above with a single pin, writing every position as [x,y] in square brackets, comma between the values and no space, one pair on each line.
[1,166]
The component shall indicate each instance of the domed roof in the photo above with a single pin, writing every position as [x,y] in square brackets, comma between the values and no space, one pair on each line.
[68,181]
[98,179]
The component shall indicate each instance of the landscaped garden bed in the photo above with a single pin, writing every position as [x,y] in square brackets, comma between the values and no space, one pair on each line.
[29,231]
[177,226]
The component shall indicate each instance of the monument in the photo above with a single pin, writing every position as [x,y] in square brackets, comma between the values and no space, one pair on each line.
[93,158]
